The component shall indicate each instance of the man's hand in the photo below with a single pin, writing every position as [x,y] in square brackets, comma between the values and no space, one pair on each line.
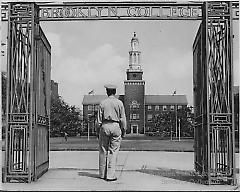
[123,133]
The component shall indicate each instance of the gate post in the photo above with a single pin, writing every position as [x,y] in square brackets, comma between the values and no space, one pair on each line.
[218,162]
[19,143]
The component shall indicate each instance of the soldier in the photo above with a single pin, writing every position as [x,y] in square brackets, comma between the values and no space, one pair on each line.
[111,128]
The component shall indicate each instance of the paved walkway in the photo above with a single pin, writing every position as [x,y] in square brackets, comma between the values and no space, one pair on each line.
[138,171]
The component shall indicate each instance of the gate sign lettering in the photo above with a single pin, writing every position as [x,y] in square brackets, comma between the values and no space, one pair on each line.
[133,12]
[121,11]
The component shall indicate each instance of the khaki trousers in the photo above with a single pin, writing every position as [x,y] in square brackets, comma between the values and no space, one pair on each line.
[109,145]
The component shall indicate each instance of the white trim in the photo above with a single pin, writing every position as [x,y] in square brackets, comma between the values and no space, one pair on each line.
[134,125]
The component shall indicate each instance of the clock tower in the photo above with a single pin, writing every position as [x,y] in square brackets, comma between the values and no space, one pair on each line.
[135,91]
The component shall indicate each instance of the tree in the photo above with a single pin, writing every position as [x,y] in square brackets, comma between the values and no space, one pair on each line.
[165,122]
[64,118]
[186,122]
[90,123]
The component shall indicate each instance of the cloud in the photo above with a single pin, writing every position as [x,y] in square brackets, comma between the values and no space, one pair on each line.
[55,41]
[77,76]
[167,69]
[165,74]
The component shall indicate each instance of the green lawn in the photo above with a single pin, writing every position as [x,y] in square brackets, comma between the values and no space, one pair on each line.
[128,144]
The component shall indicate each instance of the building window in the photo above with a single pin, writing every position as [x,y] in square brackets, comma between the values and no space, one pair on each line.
[89,116]
[134,116]
[149,107]
[147,128]
[90,107]
[134,105]
[164,108]
[157,108]
[149,117]
[179,107]
[172,107]
[96,107]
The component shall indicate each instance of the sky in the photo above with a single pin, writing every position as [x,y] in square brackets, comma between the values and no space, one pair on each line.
[88,54]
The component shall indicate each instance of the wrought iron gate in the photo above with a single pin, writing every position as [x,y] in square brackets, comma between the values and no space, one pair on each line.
[213,94]
[28,95]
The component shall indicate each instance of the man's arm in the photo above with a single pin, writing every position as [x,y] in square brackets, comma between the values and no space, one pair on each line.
[99,120]
[123,122]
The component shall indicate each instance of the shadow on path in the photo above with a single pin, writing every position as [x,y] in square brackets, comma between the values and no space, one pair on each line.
[81,172]
[182,175]
[87,173]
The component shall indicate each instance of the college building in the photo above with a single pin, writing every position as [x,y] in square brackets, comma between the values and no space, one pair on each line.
[54,89]
[140,109]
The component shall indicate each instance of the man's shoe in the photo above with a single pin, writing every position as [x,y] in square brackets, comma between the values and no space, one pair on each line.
[114,179]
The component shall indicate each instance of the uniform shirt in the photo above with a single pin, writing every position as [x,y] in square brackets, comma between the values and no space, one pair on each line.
[112,109]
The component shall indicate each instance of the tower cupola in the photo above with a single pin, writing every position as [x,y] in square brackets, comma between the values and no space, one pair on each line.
[134,43]
[134,55]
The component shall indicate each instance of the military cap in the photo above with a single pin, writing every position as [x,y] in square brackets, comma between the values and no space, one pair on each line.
[110,86]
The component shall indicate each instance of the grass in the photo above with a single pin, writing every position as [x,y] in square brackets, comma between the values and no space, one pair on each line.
[128,144]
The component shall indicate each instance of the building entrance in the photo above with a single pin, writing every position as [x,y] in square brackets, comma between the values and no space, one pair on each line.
[28,79]
[134,129]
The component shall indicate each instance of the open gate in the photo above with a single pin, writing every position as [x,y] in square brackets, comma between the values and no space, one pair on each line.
[213,94]
[42,103]
[28,95]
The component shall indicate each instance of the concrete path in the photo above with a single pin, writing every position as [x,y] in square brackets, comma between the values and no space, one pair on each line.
[137,171]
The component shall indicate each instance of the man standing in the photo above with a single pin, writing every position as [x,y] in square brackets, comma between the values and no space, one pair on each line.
[65,136]
[111,128]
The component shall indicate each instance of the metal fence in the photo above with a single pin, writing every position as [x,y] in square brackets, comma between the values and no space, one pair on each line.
[213,94]
[28,95]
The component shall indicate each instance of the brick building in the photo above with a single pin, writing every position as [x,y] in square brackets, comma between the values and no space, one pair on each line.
[54,89]
[140,108]
[236,110]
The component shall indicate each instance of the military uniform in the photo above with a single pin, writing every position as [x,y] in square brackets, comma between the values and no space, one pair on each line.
[112,121]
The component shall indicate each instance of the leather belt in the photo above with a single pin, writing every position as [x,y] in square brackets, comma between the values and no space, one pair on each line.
[110,121]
